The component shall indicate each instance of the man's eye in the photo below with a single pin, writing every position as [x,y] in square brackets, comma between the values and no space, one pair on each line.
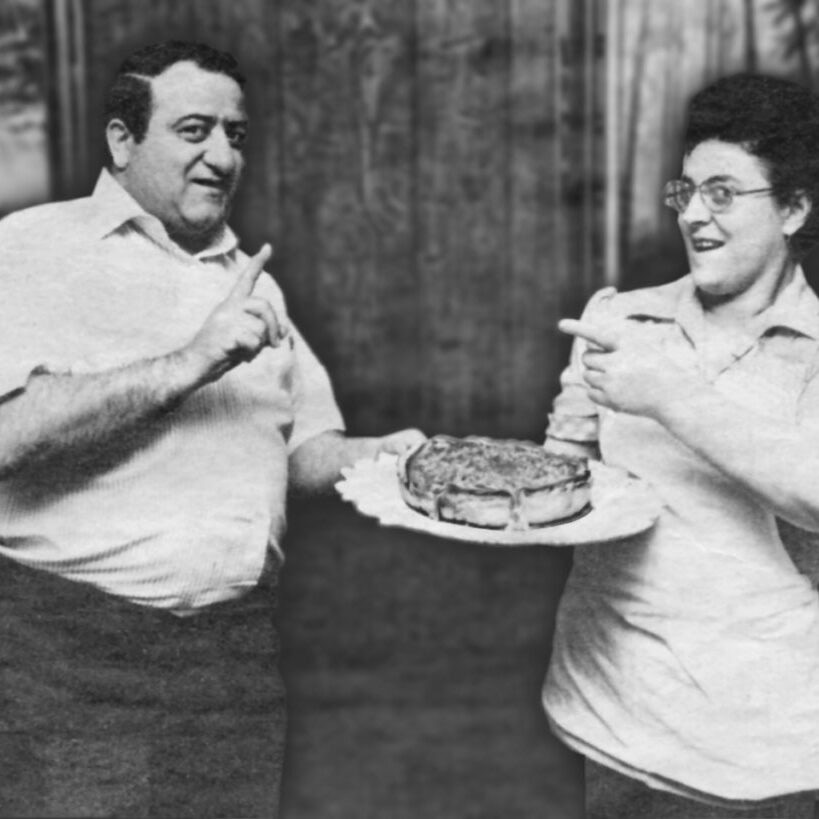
[193,133]
[237,137]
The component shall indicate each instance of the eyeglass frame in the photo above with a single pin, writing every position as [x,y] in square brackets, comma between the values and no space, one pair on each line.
[669,199]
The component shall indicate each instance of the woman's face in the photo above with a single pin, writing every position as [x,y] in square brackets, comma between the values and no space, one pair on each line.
[731,252]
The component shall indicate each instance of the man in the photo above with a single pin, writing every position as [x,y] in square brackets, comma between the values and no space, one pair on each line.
[156,405]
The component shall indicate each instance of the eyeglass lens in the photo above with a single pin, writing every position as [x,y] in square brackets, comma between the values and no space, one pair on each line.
[717,197]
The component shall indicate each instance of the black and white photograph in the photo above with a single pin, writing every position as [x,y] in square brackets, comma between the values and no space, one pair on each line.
[409,408]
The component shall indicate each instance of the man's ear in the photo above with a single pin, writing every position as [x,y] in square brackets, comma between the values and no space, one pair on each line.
[120,143]
[798,212]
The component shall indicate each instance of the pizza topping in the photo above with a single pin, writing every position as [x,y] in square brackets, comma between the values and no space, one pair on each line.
[487,465]
[487,482]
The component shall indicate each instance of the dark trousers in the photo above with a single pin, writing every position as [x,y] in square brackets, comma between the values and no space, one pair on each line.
[113,709]
[610,795]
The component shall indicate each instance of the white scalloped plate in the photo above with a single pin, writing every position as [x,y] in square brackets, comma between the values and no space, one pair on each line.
[621,506]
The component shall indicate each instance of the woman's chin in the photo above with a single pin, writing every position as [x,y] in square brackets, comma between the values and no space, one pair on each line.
[709,281]
[713,290]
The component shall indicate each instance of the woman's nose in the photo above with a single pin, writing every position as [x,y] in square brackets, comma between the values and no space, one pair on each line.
[696,211]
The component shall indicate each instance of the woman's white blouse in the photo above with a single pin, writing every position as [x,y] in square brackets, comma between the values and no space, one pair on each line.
[689,656]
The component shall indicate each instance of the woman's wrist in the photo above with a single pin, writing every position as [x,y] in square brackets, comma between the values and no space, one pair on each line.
[686,397]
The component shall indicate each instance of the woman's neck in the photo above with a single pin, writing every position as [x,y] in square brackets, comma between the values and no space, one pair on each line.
[736,309]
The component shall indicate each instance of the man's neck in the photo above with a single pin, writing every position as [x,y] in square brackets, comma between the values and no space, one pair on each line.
[191,244]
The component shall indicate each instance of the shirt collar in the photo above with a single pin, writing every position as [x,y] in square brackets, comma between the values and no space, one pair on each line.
[115,208]
[795,309]
[114,205]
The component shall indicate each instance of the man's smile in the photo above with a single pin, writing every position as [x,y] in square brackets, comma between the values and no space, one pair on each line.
[222,185]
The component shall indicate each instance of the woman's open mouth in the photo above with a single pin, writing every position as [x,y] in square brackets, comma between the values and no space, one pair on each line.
[703,245]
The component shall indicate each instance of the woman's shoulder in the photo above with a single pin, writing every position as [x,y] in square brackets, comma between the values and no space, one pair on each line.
[659,300]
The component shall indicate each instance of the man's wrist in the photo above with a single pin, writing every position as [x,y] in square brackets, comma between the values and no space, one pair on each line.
[191,369]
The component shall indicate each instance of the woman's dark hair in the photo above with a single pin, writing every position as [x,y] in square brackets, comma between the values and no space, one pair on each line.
[778,122]
[129,98]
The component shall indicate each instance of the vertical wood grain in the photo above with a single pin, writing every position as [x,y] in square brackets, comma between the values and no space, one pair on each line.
[463,177]
[579,208]
[347,192]
[532,349]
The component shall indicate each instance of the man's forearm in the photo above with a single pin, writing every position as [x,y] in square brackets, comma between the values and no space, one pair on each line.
[316,464]
[57,415]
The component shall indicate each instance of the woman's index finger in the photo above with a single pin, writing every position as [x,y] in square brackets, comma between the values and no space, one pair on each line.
[589,332]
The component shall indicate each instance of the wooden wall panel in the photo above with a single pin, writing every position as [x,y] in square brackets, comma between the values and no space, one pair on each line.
[427,172]
[347,167]
[532,352]
[462,244]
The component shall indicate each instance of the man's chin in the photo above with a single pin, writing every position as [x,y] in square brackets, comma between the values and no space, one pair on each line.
[196,234]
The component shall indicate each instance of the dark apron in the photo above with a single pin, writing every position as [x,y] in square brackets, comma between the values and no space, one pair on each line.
[112,709]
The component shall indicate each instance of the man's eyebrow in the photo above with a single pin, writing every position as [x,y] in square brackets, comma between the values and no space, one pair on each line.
[199,117]
[209,119]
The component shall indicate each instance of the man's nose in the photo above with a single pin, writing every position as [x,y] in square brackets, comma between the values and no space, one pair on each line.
[219,153]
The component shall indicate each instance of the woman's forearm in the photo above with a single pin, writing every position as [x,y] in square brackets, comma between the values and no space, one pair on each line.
[778,462]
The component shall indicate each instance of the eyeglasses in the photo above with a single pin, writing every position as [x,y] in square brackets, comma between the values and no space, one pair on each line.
[717,196]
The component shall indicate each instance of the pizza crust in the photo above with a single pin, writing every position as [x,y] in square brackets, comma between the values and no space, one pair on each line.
[495,484]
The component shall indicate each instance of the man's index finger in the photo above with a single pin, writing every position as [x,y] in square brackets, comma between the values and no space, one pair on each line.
[250,275]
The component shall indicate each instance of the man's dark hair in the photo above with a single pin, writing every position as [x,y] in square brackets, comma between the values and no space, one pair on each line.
[129,98]
[774,119]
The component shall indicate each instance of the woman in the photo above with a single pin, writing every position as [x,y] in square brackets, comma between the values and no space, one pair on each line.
[686,659]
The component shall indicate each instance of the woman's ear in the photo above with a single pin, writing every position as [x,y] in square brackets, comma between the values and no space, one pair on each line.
[796,213]
[120,143]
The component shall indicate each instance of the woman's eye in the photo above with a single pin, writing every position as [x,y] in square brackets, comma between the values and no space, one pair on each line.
[721,194]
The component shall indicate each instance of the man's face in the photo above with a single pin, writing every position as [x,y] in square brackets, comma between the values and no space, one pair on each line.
[187,168]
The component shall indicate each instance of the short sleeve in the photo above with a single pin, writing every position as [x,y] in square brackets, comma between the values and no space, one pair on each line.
[574,416]
[32,316]
[314,404]
[312,398]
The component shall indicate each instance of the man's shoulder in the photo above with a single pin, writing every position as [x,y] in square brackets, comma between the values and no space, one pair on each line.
[51,222]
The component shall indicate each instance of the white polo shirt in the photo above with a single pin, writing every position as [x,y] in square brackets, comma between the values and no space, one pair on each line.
[183,513]
[688,656]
